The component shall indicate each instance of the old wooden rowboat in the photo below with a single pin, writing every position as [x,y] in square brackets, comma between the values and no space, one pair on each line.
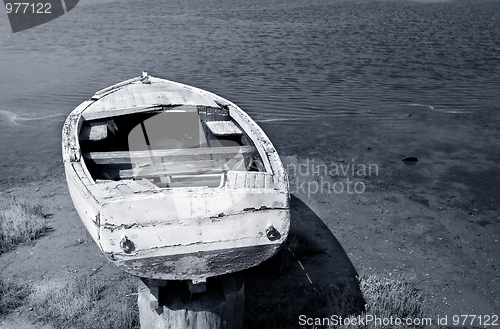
[174,182]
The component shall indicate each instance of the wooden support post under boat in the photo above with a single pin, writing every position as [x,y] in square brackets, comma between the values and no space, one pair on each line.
[171,304]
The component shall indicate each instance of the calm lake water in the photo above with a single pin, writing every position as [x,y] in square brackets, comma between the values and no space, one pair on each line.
[285,61]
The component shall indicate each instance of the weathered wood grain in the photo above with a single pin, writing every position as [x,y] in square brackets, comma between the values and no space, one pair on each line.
[95,115]
[223,128]
[269,182]
[94,132]
[116,86]
[196,265]
[85,203]
[203,234]
[173,168]
[209,309]
[191,154]
[70,131]
[140,96]
[165,206]
[254,132]
[259,180]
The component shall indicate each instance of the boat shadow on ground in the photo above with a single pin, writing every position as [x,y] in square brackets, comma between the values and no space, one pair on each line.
[311,276]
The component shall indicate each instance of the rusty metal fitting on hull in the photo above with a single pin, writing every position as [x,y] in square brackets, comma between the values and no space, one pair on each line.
[126,244]
[272,233]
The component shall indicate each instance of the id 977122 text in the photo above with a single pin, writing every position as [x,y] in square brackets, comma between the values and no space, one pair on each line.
[30,13]
[475,320]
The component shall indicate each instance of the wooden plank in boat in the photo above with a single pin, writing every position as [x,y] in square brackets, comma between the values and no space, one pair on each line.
[83,173]
[176,154]
[136,99]
[124,189]
[202,112]
[223,128]
[96,131]
[237,164]
[259,180]
[105,190]
[211,180]
[254,132]
[210,114]
[250,180]
[222,114]
[188,206]
[106,90]
[142,185]
[280,175]
[174,168]
[110,189]
[100,114]
[231,179]
[240,179]
[259,164]
[269,182]
[86,207]
[183,95]
[123,98]
[183,109]
[70,145]
[227,232]
[81,184]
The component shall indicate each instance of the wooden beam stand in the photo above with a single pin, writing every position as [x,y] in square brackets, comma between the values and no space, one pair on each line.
[170,304]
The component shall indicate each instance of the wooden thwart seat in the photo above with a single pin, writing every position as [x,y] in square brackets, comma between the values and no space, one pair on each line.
[223,128]
[174,168]
[170,155]
[155,163]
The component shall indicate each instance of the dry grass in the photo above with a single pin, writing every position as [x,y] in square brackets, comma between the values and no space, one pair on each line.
[387,297]
[398,296]
[83,303]
[20,222]
[11,295]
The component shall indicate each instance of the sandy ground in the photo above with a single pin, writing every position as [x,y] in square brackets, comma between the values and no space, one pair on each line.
[437,219]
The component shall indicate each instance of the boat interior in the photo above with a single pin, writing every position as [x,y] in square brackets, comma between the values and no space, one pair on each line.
[181,146]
